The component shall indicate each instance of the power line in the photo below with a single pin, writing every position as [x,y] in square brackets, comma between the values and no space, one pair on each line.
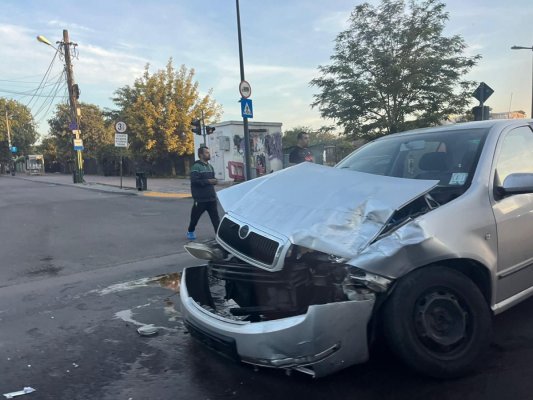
[26,94]
[50,102]
[44,77]
[32,90]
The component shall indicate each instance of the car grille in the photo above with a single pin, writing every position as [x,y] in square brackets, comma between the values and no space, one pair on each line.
[254,246]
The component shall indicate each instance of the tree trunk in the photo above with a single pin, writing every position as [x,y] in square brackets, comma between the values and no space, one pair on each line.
[187,165]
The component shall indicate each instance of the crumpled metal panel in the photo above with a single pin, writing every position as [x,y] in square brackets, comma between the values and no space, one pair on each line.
[332,210]
[402,250]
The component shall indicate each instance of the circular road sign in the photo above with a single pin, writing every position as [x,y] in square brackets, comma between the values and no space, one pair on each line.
[120,127]
[245,89]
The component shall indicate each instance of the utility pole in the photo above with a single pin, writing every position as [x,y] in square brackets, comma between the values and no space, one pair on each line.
[73,101]
[247,169]
[13,165]
[8,131]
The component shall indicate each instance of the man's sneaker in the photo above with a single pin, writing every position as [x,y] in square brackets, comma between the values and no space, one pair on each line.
[191,236]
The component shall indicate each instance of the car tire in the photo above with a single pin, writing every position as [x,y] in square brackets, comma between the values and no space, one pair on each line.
[437,321]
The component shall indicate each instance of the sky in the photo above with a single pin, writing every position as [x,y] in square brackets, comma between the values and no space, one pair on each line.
[284,41]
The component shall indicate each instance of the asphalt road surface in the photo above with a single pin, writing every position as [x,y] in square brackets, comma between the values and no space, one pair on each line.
[81,271]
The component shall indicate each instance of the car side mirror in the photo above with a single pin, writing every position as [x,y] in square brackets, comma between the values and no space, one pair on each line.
[518,183]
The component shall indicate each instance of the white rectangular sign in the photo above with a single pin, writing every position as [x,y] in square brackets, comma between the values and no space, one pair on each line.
[121,140]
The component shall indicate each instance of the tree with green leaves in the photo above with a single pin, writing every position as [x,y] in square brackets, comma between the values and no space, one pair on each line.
[21,124]
[322,135]
[95,132]
[158,109]
[48,149]
[394,69]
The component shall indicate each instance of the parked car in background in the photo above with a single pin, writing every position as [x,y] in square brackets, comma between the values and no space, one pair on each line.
[423,235]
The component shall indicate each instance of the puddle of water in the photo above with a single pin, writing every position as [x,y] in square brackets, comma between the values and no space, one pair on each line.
[47,269]
[169,281]
[171,312]
[127,316]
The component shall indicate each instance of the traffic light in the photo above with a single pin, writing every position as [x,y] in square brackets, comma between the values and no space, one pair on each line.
[76,91]
[209,129]
[196,126]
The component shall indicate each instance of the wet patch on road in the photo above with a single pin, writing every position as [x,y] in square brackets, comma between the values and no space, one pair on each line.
[159,313]
[47,267]
[168,281]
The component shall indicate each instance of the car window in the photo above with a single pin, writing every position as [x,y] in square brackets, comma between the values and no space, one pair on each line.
[516,153]
[447,156]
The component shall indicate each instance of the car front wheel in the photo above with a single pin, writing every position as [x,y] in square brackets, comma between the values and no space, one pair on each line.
[437,321]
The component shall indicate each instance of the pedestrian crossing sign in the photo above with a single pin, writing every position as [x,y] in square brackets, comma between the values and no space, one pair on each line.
[247,110]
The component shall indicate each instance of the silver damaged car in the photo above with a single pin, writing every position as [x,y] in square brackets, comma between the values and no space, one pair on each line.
[418,238]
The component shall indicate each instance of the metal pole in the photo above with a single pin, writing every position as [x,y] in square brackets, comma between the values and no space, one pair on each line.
[528,48]
[121,169]
[203,128]
[247,169]
[531,116]
[78,173]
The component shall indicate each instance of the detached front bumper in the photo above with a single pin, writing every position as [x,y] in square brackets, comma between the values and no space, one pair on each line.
[325,339]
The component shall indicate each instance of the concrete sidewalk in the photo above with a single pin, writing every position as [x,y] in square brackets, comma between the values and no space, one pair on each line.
[157,187]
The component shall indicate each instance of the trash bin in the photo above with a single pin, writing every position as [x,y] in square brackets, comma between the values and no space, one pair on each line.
[141,181]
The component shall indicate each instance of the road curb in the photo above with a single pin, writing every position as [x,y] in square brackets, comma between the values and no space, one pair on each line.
[86,186]
[164,195]
[116,190]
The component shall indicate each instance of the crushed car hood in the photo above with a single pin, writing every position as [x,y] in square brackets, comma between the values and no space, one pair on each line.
[336,211]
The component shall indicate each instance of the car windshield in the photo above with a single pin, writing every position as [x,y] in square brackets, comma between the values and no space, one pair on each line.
[447,156]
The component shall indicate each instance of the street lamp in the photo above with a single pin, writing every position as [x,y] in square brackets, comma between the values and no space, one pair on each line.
[44,40]
[528,48]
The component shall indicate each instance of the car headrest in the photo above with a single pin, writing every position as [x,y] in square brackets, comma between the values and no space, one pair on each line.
[436,161]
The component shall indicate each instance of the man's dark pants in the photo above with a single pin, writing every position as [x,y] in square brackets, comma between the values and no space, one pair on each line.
[199,208]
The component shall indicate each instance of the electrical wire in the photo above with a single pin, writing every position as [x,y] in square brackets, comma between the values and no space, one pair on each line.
[49,103]
[22,79]
[27,93]
[44,78]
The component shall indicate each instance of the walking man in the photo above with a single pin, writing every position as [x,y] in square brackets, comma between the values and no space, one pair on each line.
[203,192]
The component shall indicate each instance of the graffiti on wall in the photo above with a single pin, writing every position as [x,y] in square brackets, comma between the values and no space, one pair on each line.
[273,146]
[274,151]
[266,150]
[238,145]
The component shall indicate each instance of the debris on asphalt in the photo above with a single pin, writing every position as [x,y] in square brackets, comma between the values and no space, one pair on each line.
[147,330]
[24,391]
[75,365]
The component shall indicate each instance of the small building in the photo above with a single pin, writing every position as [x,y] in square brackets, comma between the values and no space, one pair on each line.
[34,164]
[508,115]
[226,145]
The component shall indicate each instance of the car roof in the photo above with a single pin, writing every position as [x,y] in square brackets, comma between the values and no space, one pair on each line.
[498,123]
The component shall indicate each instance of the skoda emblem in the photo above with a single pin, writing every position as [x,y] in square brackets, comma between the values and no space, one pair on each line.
[244,231]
